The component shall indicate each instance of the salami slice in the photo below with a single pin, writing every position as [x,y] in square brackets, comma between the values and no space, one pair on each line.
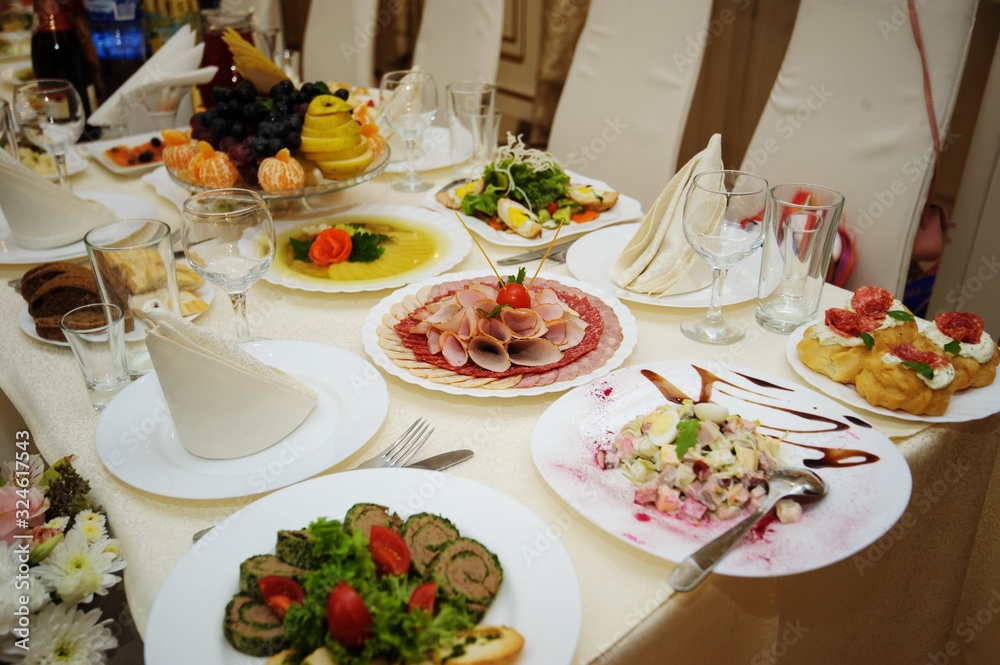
[872,301]
[849,324]
[964,327]
[912,354]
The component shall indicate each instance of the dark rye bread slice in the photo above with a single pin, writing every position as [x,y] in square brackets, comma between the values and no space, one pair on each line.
[62,293]
[37,276]
[47,327]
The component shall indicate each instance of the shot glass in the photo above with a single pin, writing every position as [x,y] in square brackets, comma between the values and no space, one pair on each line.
[96,333]
[133,261]
[801,225]
[471,126]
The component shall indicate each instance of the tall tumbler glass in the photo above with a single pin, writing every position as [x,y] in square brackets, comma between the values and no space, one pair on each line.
[471,126]
[133,261]
[802,223]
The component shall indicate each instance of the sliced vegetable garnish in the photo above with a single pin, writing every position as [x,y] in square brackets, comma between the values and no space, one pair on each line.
[347,616]
[389,551]
[330,246]
[280,593]
[923,369]
[423,597]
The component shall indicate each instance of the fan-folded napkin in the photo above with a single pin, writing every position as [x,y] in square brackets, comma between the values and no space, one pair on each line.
[41,214]
[176,63]
[658,259]
[224,403]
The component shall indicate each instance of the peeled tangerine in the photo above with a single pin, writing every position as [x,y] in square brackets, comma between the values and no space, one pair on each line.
[211,169]
[180,150]
[281,172]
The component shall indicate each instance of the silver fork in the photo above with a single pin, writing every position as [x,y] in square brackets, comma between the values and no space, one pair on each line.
[402,449]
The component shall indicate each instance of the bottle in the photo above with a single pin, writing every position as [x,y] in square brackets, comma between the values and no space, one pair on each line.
[118,31]
[57,52]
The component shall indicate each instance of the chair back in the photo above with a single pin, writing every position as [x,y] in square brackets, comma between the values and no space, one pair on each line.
[339,42]
[848,111]
[459,40]
[623,109]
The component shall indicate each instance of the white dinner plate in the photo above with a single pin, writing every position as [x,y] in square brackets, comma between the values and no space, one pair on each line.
[969,404]
[453,241]
[137,442]
[433,151]
[138,333]
[125,206]
[369,337]
[862,502]
[539,597]
[625,210]
[591,258]
[95,150]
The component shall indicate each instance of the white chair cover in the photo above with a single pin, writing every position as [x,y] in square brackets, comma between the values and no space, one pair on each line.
[847,111]
[459,40]
[622,112]
[339,43]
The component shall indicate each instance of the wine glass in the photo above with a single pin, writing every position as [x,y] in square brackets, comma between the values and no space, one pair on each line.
[50,113]
[409,104]
[723,223]
[228,237]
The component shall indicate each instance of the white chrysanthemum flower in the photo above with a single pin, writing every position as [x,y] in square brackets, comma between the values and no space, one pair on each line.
[65,635]
[76,571]
[58,523]
[13,589]
[91,516]
[112,545]
[93,531]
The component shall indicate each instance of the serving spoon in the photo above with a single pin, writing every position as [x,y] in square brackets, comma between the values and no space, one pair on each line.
[781,483]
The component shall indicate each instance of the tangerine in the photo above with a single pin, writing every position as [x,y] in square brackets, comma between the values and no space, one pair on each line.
[281,172]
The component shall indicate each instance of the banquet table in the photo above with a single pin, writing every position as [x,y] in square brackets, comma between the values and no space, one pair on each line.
[894,602]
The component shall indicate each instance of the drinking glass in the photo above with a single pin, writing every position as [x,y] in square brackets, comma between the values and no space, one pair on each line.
[51,116]
[723,223]
[228,237]
[409,104]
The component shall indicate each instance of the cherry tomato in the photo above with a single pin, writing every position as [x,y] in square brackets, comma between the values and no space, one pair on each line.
[515,295]
[347,616]
[552,207]
[422,598]
[280,593]
[389,551]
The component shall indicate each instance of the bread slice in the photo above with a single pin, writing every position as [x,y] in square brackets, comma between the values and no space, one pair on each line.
[485,645]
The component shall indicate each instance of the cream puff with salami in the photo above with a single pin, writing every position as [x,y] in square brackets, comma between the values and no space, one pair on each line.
[902,377]
[960,337]
[894,322]
[837,347]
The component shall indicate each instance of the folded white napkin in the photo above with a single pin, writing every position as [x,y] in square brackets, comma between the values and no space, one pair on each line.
[658,259]
[41,214]
[176,63]
[224,403]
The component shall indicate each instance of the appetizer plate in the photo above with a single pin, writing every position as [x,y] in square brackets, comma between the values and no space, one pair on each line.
[16,70]
[969,404]
[95,150]
[370,339]
[125,206]
[206,293]
[432,152]
[137,442]
[74,163]
[626,210]
[540,598]
[591,258]
[453,241]
[863,501]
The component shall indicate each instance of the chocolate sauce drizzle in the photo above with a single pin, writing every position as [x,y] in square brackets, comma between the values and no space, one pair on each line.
[833,458]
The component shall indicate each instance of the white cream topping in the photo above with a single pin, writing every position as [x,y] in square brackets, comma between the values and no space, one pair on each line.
[980,352]
[887,321]
[824,334]
[942,375]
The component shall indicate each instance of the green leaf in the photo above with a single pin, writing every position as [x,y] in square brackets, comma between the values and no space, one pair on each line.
[300,248]
[687,436]
[868,340]
[365,247]
[491,314]
[953,347]
[923,369]
[519,279]
[900,315]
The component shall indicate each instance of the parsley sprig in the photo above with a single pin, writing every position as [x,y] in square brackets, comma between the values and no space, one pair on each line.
[923,369]
[687,436]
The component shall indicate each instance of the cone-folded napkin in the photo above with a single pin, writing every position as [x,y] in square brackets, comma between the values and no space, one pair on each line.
[658,259]
[224,403]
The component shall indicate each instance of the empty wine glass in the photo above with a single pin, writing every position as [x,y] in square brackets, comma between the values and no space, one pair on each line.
[228,237]
[723,223]
[409,104]
[50,113]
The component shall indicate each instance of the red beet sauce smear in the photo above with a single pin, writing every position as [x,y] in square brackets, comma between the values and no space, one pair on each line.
[642,517]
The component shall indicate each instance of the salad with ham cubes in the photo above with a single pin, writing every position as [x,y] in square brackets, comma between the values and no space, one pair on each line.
[697,460]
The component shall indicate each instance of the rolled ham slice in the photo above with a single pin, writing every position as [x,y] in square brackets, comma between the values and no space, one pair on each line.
[488,353]
[533,352]
[523,322]
[453,349]
[496,329]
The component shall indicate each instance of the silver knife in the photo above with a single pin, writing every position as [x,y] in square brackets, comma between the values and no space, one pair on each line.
[536,253]
[442,461]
